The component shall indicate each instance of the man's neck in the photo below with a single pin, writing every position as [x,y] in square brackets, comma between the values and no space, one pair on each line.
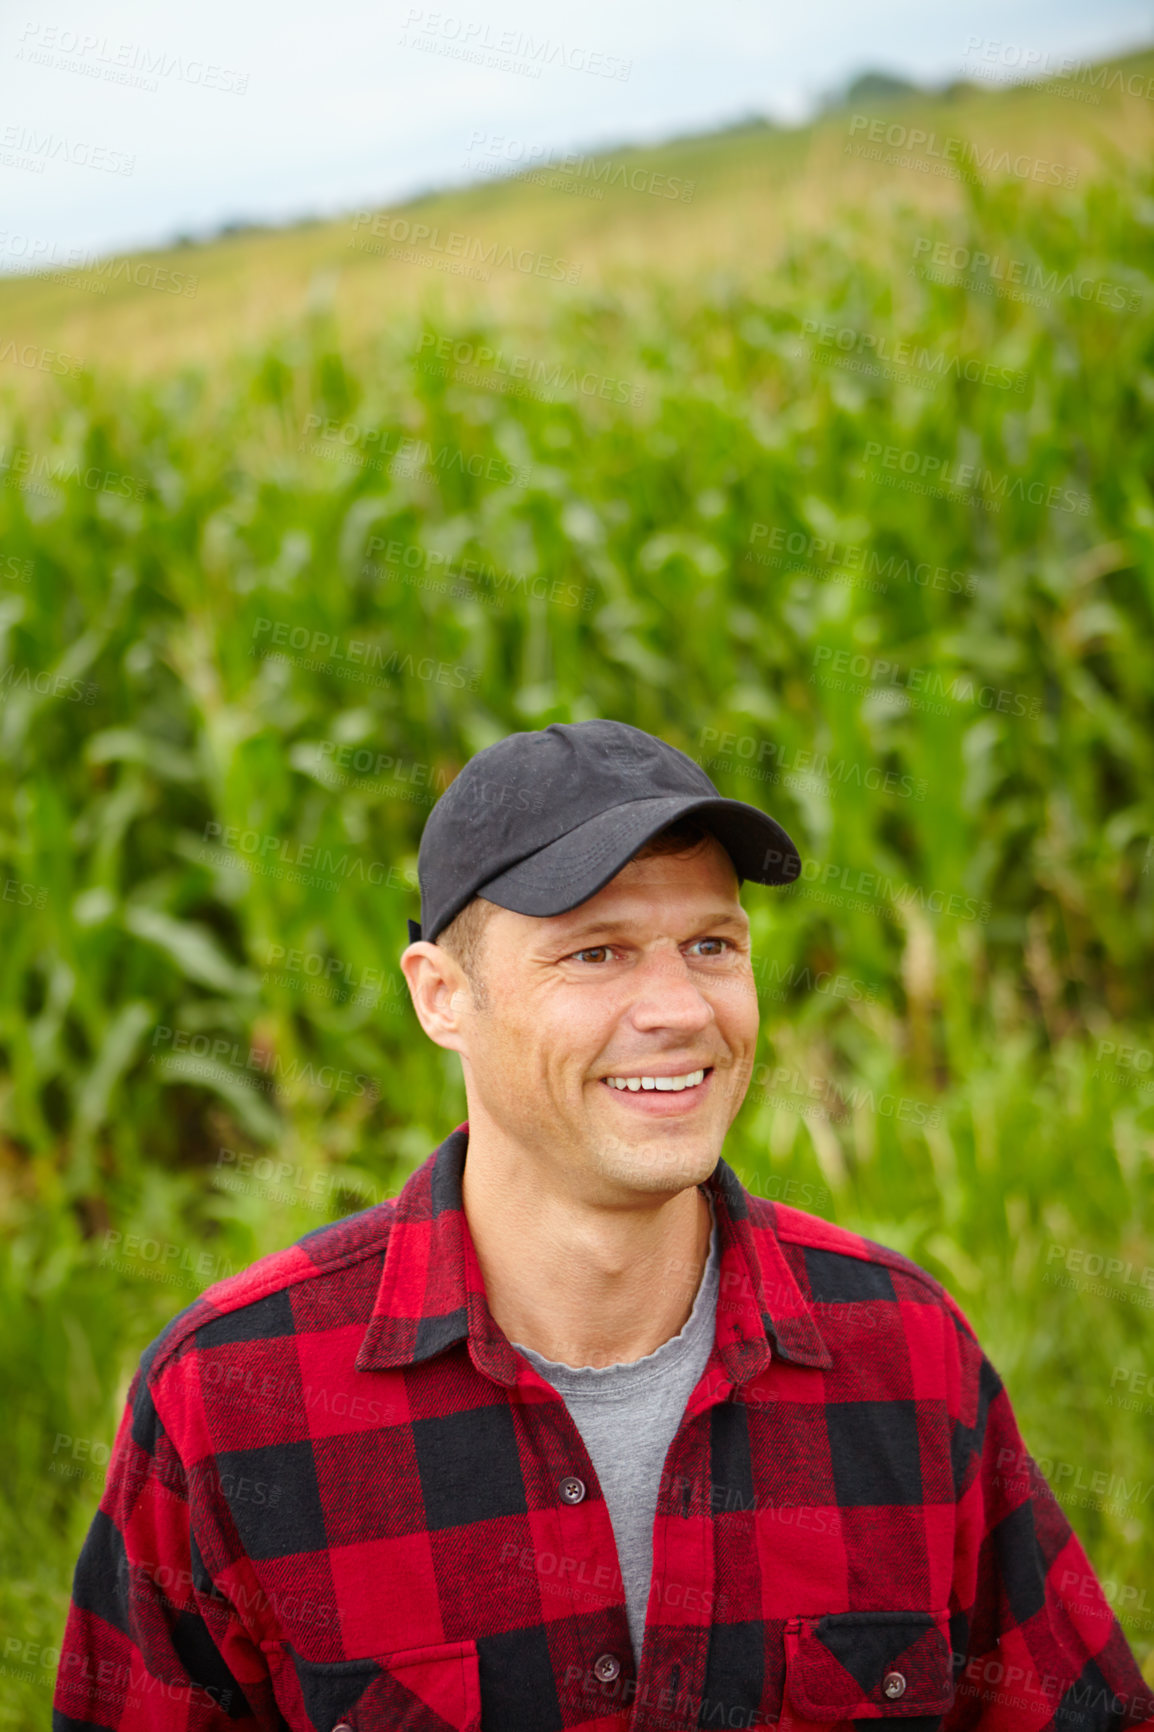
[580,1285]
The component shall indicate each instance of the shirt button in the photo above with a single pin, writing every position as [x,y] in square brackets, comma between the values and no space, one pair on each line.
[894,1685]
[606,1667]
[573,1489]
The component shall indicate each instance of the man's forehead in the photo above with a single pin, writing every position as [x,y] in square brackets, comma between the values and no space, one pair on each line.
[673,874]
[644,890]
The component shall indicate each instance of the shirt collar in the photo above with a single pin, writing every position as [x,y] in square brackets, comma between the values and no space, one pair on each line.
[432,1293]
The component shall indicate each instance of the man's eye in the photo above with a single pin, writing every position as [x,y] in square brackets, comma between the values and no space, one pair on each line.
[722,945]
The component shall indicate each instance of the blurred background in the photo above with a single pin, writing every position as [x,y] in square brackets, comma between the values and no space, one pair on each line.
[374,385]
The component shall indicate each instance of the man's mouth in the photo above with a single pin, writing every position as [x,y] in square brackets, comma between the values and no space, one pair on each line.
[677,1084]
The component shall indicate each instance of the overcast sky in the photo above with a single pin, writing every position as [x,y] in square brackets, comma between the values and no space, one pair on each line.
[125,123]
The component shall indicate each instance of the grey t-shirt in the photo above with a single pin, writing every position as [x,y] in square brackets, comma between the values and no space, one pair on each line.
[628,1415]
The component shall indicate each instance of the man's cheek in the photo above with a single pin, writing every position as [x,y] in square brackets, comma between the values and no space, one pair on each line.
[739,1017]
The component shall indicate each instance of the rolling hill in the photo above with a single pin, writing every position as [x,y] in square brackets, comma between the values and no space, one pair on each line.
[728,201]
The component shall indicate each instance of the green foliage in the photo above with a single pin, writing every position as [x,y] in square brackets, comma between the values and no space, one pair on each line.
[266,619]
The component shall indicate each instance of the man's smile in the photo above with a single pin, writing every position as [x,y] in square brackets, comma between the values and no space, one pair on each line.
[661,1096]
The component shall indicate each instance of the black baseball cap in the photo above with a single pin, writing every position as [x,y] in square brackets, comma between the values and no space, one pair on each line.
[539,822]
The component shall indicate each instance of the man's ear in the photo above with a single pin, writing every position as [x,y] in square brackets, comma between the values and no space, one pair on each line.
[439,989]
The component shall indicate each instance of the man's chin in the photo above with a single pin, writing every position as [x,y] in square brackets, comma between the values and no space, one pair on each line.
[652,1162]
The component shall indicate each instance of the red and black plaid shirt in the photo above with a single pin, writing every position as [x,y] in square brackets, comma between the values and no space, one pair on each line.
[340,1498]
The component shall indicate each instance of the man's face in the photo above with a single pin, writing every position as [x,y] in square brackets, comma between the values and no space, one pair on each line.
[649,978]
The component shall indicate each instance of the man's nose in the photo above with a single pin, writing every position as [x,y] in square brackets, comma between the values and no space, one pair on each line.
[668,994]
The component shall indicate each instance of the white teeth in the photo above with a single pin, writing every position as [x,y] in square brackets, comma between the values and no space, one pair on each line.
[665,1084]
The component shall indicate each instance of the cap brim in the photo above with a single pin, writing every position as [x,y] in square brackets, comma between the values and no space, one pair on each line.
[580,863]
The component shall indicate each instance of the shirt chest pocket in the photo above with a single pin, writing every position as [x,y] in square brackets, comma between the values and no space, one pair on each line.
[432,1689]
[867,1666]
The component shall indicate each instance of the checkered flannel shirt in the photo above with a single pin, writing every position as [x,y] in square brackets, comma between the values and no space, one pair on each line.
[339,1498]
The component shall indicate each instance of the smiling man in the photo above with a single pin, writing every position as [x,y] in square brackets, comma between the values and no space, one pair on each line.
[577,1432]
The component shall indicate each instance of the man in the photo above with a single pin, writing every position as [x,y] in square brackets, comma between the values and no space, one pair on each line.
[576,1432]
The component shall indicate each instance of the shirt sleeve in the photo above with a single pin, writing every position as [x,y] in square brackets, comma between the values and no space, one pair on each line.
[1037,1647]
[149,1645]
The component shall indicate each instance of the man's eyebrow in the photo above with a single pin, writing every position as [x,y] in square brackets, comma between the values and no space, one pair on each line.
[621,923]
